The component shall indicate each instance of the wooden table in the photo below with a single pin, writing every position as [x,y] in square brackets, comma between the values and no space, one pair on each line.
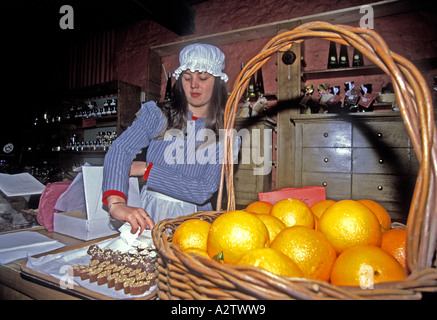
[16,286]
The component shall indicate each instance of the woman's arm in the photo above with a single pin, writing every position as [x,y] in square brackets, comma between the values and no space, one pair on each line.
[118,162]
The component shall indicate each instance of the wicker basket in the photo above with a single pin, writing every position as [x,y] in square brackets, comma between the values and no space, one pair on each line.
[190,276]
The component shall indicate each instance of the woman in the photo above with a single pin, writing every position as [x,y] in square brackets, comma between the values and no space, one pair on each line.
[177,183]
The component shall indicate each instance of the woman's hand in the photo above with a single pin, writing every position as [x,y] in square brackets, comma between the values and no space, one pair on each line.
[137,217]
[137,168]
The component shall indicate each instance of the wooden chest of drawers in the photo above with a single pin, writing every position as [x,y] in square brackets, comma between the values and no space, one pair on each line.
[252,176]
[356,156]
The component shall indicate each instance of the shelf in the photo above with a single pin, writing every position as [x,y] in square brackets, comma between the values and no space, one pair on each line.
[423,64]
[106,121]
[93,91]
[85,152]
[341,72]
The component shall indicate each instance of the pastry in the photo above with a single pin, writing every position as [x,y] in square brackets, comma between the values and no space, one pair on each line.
[133,271]
[102,277]
[139,287]
[118,284]
[84,273]
[94,273]
[110,280]
[127,284]
[77,270]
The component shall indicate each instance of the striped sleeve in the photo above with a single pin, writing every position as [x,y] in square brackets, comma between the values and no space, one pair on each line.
[123,150]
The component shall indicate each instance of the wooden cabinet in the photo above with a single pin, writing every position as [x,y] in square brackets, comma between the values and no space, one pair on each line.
[253,173]
[127,99]
[356,156]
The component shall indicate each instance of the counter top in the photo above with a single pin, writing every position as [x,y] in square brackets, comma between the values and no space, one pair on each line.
[14,285]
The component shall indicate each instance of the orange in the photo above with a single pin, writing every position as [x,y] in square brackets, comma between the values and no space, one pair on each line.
[271,260]
[259,207]
[365,265]
[309,249]
[192,234]
[234,233]
[198,251]
[316,222]
[394,242]
[319,207]
[348,223]
[273,224]
[293,212]
[379,211]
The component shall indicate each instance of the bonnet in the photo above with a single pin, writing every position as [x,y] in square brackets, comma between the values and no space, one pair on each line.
[203,58]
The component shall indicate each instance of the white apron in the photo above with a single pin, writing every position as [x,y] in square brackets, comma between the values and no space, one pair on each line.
[160,206]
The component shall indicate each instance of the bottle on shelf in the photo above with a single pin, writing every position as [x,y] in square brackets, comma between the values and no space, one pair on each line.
[113,106]
[344,59]
[252,85]
[332,59]
[259,87]
[357,58]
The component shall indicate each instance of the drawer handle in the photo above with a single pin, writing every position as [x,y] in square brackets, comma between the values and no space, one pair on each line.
[381,161]
[380,188]
[325,134]
[326,159]
[324,184]
[379,134]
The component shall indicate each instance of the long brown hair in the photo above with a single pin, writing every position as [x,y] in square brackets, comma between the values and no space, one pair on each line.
[176,110]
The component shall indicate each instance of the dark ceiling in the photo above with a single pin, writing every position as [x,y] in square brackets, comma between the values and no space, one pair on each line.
[177,16]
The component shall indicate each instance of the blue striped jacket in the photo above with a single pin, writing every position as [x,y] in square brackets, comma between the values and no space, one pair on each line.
[180,169]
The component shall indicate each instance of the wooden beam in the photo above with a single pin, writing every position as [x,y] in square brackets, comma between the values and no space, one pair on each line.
[288,95]
[340,16]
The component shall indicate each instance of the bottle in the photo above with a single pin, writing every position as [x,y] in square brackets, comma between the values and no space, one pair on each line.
[167,96]
[344,59]
[332,59]
[252,84]
[357,58]
[259,87]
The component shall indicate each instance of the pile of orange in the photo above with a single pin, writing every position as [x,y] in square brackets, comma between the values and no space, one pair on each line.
[347,242]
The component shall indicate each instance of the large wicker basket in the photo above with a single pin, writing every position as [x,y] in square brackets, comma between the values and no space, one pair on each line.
[189,276]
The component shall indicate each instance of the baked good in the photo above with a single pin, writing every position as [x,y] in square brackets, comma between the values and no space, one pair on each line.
[102,277]
[110,280]
[127,284]
[139,287]
[126,270]
[84,273]
[133,271]
[94,273]
[141,276]
[77,269]
[118,284]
